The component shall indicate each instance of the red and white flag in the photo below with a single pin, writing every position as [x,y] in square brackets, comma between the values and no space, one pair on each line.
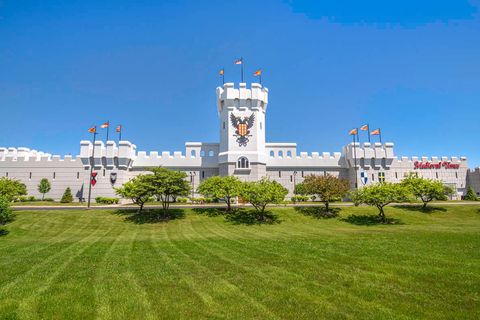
[238,61]
[105,125]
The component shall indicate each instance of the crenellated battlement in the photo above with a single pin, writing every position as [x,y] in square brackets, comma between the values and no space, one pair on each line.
[26,154]
[253,98]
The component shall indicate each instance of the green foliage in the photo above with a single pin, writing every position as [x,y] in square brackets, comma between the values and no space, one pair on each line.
[11,189]
[426,190]
[470,196]
[326,188]
[201,200]
[263,192]
[296,199]
[167,184]
[138,189]
[6,213]
[106,200]
[380,195]
[182,200]
[26,199]
[44,187]
[67,196]
[224,188]
[300,189]
[49,199]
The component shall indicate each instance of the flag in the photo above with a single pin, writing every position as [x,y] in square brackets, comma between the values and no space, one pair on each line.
[375,132]
[119,128]
[238,61]
[221,72]
[105,125]
[364,127]
[92,130]
[257,73]
[353,131]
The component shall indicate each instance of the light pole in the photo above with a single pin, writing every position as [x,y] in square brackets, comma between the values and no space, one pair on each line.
[294,181]
[192,180]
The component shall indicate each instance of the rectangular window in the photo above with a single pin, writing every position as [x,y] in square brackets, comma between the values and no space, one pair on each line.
[30,177]
[279,174]
[436,175]
[54,176]
[302,174]
[381,177]
[456,174]
[104,172]
[78,175]
[291,178]
[373,177]
[203,174]
[396,175]
[6,174]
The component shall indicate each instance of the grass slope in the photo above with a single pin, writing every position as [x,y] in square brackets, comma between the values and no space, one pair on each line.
[106,265]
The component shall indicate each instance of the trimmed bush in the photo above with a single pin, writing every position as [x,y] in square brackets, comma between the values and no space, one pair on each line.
[182,200]
[470,196]
[67,196]
[106,200]
[48,199]
[6,213]
[296,199]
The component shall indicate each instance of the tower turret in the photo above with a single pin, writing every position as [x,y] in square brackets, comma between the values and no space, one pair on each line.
[242,130]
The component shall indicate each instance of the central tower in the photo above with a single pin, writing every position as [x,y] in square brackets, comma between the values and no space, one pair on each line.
[242,130]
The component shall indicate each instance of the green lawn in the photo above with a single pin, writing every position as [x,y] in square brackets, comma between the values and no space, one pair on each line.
[104,264]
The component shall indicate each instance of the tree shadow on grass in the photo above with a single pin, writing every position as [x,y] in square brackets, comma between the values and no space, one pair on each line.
[210,212]
[251,217]
[369,220]
[318,212]
[419,208]
[151,215]
[3,232]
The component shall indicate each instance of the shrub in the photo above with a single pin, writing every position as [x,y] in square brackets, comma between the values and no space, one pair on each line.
[296,199]
[470,196]
[67,196]
[106,200]
[6,213]
[11,189]
[182,200]
[48,199]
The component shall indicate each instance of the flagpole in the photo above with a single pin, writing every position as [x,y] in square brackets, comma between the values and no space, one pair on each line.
[260,78]
[355,159]
[223,76]
[241,59]
[91,168]
[368,125]
[120,134]
[108,128]
[380,134]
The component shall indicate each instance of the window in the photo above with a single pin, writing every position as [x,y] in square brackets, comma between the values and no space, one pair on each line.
[280,153]
[289,153]
[223,125]
[6,174]
[202,153]
[279,174]
[272,153]
[302,174]
[396,175]
[373,177]
[381,177]
[242,163]
[291,178]
[54,175]
[210,153]
[456,174]
[436,175]
[193,153]
[203,174]
[78,175]
[30,176]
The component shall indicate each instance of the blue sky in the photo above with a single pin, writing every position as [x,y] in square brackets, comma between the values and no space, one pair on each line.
[409,67]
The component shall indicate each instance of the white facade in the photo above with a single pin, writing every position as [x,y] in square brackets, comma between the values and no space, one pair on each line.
[242,151]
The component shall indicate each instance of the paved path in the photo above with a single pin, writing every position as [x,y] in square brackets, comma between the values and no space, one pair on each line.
[220,205]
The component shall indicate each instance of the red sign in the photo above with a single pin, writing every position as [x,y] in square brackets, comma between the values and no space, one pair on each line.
[93,179]
[439,165]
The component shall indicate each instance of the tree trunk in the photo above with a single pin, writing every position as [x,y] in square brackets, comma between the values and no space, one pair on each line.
[228,204]
[424,205]
[141,207]
[43,196]
[382,214]
[326,206]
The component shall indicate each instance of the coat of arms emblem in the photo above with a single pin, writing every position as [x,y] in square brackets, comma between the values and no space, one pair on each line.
[113,177]
[242,128]
[363,177]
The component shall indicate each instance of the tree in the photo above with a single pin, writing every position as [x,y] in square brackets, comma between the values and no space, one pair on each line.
[167,184]
[67,196]
[328,188]
[263,192]
[380,195]
[138,189]
[470,196]
[426,189]
[11,189]
[225,188]
[6,213]
[300,189]
[44,187]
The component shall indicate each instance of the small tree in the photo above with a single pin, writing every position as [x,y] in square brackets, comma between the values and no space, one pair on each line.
[44,187]
[328,188]
[426,189]
[300,189]
[6,213]
[263,192]
[167,184]
[380,195]
[470,196]
[11,189]
[67,196]
[139,190]
[224,188]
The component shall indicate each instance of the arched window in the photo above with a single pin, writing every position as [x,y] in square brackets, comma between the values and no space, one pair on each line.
[280,153]
[243,163]
[202,153]
[272,153]
[210,153]
[289,153]
[193,154]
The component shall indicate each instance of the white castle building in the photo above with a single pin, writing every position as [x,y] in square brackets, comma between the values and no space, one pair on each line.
[242,151]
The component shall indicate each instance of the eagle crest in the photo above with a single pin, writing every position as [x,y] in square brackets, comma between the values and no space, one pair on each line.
[242,128]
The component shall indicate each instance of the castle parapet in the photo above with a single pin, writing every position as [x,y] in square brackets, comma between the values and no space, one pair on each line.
[253,98]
